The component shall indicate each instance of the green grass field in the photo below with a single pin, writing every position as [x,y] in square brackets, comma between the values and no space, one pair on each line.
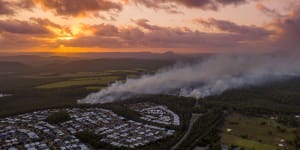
[68,75]
[247,144]
[89,80]
[123,71]
[80,82]
[129,72]
[94,87]
[257,133]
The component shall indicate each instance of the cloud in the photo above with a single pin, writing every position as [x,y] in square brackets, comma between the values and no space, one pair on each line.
[269,12]
[22,27]
[36,32]
[5,8]
[144,23]
[171,5]
[251,31]
[60,7]
[78,7]
[45,22]
[9,8]
[209,4]
[288,30]
[106,30]
[18,42]
[146,35]
[230,36]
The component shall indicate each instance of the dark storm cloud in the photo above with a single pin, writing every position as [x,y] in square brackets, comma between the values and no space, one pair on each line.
[78,7]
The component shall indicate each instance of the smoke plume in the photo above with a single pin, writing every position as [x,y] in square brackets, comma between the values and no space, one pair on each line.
[207,77]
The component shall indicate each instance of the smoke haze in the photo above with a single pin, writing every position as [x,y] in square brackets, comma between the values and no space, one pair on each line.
[204,78]
[3,95]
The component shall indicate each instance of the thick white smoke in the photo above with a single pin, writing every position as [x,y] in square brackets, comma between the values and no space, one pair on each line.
[205,78]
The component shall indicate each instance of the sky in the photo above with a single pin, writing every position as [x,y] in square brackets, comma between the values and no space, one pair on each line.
[181,26]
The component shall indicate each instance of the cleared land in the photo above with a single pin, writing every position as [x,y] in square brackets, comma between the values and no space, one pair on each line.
[129,72]
[94,87]
[42,90]
[80,82]
[90,80]
[256,133]
[67,75]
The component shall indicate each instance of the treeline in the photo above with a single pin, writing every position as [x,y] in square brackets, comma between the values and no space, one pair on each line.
[278,97]
[93,140]
[83,65]
[183,106]
[205,130]
[35,99]
[58,117]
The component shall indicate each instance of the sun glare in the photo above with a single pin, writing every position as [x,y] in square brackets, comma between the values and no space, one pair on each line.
[67,50]
[66,38]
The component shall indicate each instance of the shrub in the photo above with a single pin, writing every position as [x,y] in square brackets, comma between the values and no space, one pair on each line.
[92,139]
[58,117]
